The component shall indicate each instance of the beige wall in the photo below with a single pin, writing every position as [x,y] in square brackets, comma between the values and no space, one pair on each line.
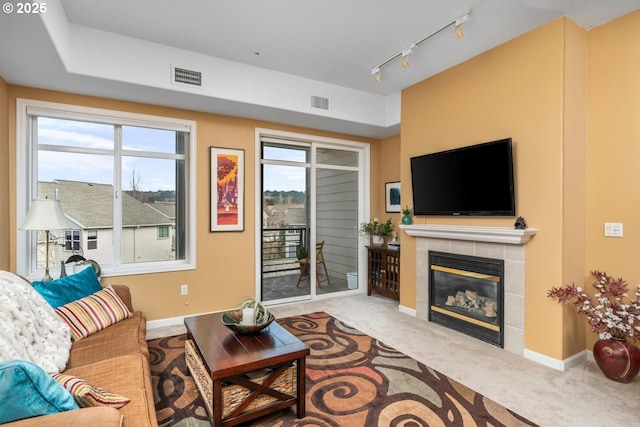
[613,150]
[5,248]
[222,278]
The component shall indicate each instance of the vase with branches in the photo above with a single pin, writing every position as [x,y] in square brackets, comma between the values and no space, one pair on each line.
[614,316]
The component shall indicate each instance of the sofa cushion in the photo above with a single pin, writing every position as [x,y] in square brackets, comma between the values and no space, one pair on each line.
[27,391]
[125,337]
[87,395]
[93,313]
[128,375]
[61,291]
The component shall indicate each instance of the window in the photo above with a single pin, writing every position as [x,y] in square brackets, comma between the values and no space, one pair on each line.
[125,176]
[72,240]
[92,239]
[163,232]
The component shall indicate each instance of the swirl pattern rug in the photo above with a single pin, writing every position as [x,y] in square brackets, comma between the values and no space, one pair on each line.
[352,380]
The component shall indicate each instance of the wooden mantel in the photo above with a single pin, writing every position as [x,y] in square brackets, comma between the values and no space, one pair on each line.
[507,235]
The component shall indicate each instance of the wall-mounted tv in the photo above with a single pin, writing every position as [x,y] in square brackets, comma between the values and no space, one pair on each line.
[476,180]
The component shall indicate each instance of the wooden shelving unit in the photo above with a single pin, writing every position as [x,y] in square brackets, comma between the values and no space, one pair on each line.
[383,271]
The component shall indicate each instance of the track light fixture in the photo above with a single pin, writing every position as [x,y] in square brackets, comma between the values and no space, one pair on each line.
[408,51]
[458,33]
[404,53]
[375,72]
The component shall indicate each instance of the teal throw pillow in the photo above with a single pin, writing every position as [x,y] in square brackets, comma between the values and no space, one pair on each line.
[26,390]
[68,289]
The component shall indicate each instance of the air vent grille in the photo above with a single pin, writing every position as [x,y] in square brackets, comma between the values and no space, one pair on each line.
[319,102]
[189,77]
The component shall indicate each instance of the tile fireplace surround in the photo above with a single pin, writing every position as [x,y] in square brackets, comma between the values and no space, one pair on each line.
[490,242]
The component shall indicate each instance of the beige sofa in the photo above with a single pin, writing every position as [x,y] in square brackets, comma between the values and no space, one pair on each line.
[117,359]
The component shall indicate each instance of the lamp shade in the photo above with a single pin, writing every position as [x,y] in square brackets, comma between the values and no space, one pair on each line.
[45,214]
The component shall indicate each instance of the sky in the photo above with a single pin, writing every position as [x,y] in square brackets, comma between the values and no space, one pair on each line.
[153,174]
[284,178]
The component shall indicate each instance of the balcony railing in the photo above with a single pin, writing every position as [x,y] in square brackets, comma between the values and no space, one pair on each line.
[279,247]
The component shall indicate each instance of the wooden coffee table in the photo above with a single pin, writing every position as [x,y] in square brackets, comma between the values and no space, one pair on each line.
[243,377]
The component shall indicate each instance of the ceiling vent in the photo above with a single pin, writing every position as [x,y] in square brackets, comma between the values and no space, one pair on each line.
[319,102]
[186,77]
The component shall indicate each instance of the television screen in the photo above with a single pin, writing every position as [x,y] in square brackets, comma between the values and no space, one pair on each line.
[476,180]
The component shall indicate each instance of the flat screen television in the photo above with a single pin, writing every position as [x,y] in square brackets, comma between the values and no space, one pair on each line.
[476,180]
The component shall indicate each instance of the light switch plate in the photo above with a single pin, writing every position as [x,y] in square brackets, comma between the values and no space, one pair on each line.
[613,229]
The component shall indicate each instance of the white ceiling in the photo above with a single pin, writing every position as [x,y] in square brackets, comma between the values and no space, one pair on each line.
[260,58]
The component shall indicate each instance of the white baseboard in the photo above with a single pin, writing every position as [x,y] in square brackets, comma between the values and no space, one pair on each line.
[407,310]
[170,321]
[163,323]
[559,365]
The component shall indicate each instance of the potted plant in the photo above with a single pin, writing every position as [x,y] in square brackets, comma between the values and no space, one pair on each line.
[615,317]
[406,215]
[377,230]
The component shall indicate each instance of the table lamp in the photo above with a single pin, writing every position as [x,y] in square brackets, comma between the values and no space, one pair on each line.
[47,215]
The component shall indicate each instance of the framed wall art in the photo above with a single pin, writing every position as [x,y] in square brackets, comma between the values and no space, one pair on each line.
[227,189]
[392,196]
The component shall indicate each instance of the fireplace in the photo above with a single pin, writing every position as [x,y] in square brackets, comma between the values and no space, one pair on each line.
[466,293]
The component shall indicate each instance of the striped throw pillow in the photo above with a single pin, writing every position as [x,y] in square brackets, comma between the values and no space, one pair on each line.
[93,313]
[87,395]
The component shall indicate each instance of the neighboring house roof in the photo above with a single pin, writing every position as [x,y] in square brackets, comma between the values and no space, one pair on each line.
[168,209]
[90,205]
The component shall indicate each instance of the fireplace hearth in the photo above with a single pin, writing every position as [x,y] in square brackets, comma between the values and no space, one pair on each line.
[466,293]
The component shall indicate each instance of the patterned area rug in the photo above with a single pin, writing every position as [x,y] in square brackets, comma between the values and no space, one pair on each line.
[352,380]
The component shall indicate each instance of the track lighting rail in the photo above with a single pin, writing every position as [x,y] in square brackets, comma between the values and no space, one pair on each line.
[405,52]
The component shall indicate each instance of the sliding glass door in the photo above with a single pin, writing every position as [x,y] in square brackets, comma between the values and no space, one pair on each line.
[310,203]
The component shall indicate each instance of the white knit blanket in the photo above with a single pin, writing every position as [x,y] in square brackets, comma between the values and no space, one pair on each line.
[29,327]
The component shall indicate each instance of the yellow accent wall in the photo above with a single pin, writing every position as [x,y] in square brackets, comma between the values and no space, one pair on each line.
[225,273]
[613,149]
[516,90]
[570,99]
[387,170]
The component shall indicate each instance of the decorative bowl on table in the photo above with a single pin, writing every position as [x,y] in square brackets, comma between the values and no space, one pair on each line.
[232,320]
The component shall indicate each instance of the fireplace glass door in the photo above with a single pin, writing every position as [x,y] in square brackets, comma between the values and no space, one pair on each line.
[466,294]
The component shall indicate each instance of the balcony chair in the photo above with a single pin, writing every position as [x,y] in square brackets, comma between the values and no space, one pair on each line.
[319,260]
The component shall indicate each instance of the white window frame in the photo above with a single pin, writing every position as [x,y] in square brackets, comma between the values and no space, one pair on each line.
[26,182]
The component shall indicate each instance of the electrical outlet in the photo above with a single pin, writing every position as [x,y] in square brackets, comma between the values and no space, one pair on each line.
[613,229]
[184,289]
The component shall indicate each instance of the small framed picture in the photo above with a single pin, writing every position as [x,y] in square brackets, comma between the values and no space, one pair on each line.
[392,196]
[227,189]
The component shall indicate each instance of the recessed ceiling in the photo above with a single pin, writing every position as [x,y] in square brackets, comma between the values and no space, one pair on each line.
[318,43]
[334,41]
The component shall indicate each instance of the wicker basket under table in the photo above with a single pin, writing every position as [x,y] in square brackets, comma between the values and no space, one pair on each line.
[234,395]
